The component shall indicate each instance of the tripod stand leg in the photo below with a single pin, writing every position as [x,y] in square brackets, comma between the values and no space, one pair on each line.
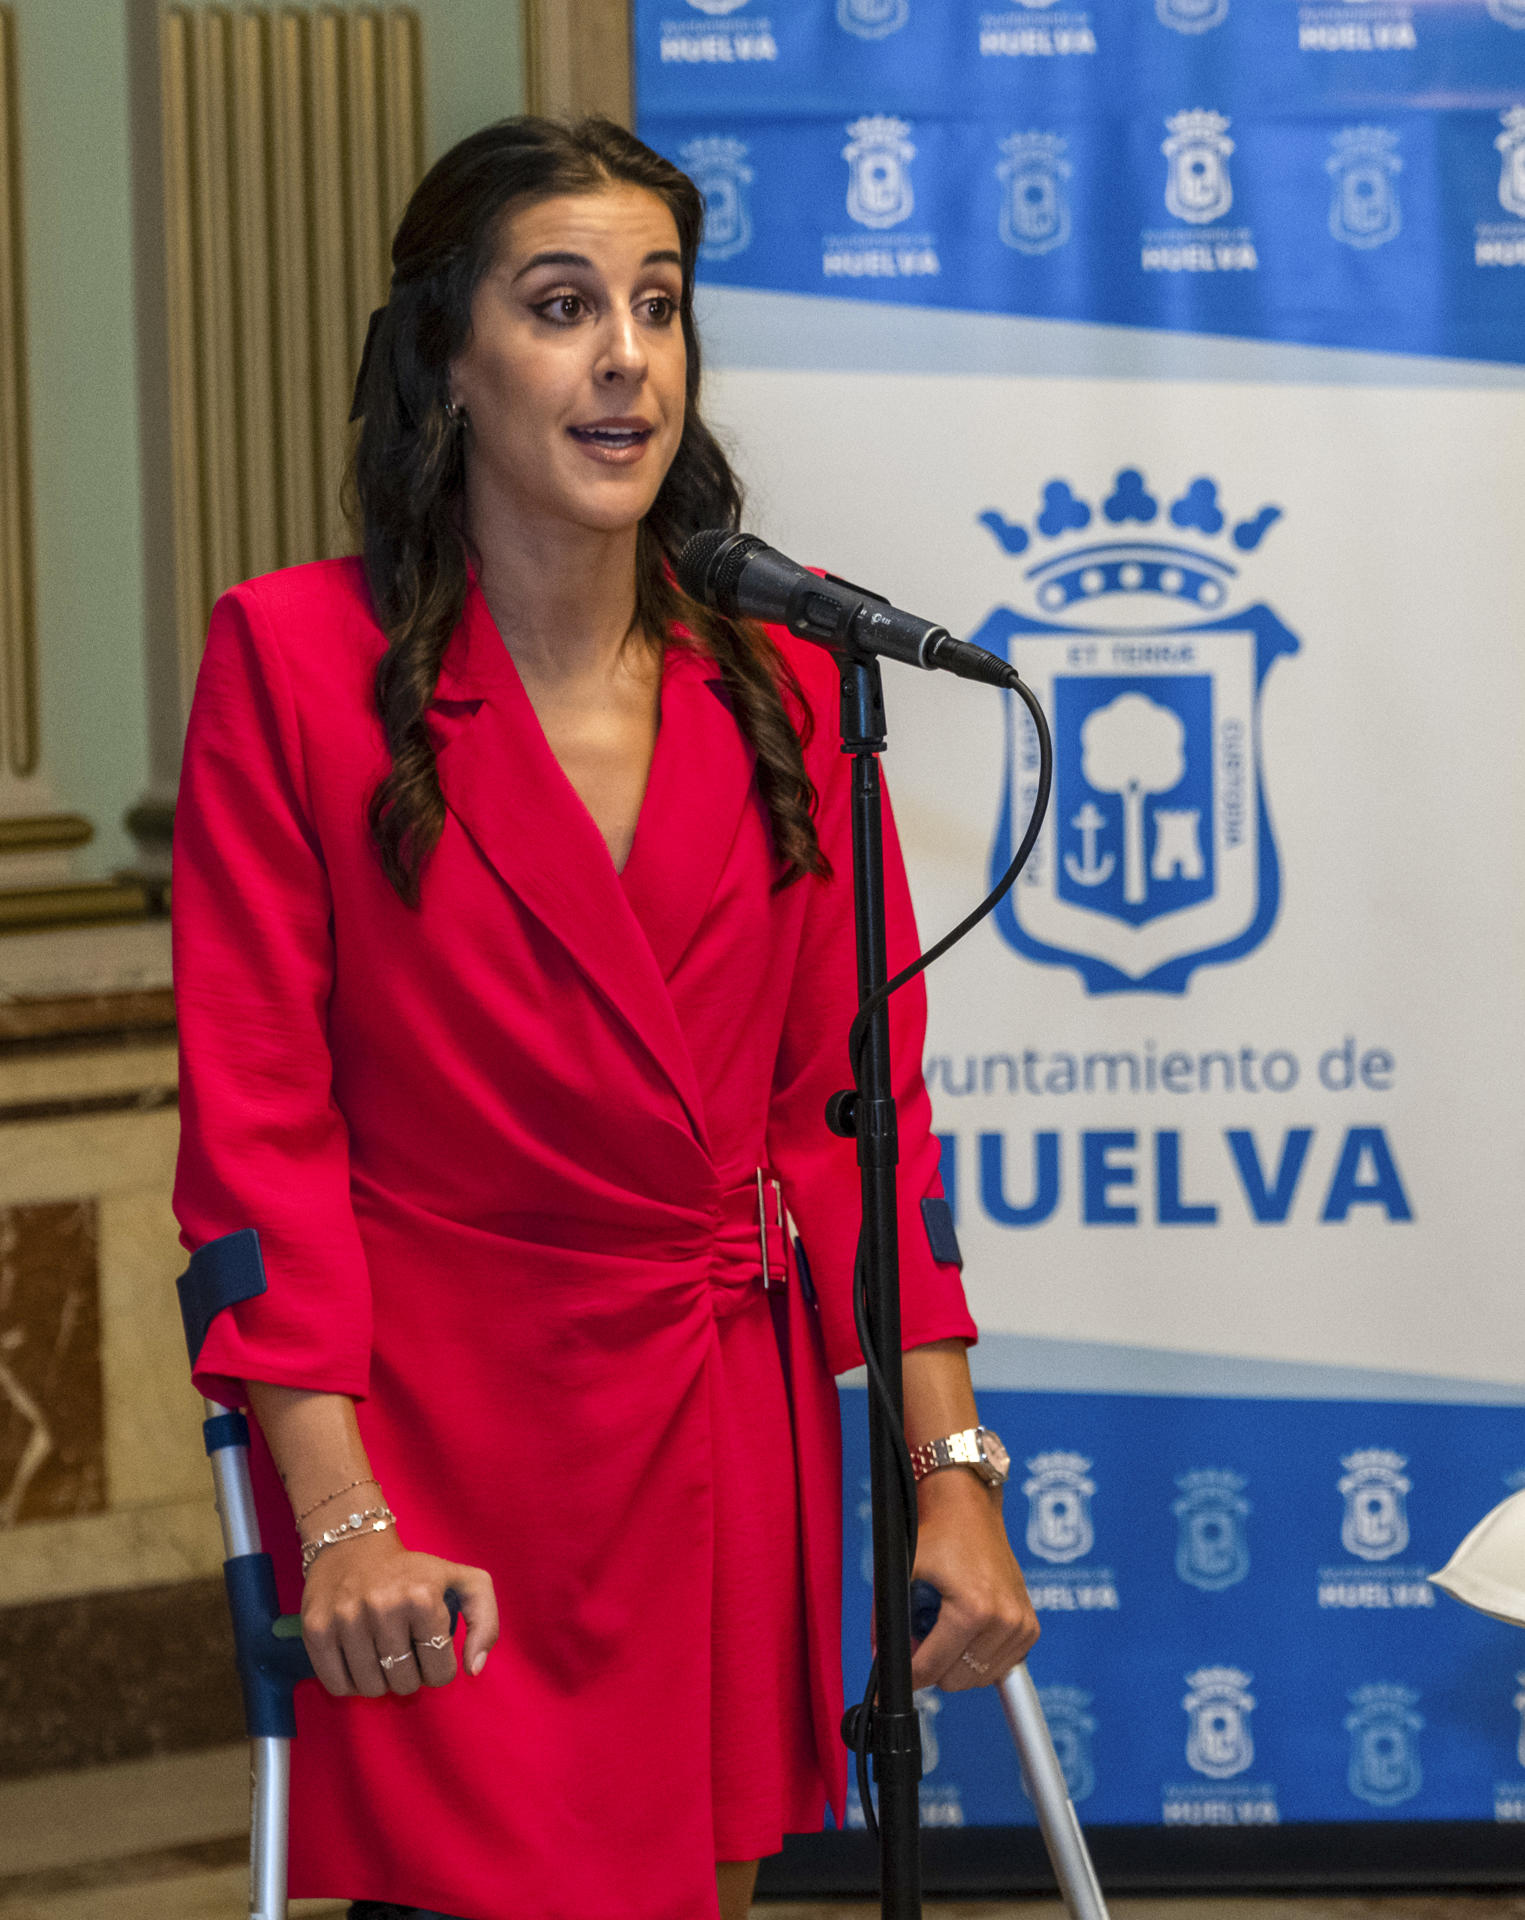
[1066,1845]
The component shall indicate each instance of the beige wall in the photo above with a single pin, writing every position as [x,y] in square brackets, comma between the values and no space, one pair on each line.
[93,618]
[108,1539]
[72,84]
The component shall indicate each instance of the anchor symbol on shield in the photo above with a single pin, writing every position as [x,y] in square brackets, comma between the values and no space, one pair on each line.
[1088,871]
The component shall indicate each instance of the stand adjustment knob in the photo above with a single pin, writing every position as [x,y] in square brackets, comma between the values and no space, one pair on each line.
[842,1113]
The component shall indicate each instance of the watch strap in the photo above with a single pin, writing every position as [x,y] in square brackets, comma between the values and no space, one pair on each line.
[952,1450]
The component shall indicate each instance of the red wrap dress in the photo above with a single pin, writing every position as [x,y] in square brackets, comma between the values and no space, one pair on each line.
[501,1155]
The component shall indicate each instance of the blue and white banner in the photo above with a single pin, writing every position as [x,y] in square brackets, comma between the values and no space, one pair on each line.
[1177,352]
[1238,1630]
[1350,173]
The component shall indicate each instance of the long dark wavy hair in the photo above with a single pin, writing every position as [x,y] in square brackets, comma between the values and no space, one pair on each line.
[408,479]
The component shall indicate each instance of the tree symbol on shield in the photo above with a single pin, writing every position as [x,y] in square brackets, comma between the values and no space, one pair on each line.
[1133,747]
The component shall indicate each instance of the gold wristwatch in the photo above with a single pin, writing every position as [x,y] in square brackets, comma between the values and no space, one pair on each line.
[975,1447]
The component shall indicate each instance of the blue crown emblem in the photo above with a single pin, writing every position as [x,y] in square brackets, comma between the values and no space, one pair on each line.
[1158,855]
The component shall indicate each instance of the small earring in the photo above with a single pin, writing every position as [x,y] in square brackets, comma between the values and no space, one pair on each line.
[454,412]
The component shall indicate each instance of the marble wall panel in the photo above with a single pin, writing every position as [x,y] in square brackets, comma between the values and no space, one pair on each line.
[113,1625]
[159,1524]
[52,1418]
[116,1676]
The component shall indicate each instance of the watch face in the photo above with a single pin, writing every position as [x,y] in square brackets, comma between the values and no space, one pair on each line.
[995,1454]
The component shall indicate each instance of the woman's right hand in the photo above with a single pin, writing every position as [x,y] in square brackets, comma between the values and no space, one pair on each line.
[368,1600]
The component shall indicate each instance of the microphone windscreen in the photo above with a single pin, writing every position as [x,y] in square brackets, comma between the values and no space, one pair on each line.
[695,561]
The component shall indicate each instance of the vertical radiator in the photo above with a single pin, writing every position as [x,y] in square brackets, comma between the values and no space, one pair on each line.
[292,139]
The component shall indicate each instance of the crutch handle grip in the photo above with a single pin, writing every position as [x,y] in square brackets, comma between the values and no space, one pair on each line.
[926,1604]
[288,1629]
[272,1659]
[1062,1836]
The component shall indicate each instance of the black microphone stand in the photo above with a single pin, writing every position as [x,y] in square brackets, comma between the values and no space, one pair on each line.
[868,1114]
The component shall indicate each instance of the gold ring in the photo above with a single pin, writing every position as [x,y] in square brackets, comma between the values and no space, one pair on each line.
[439,1642]
[969,1661]
[389,1660]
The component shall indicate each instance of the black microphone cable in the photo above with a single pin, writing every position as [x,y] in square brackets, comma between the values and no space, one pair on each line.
[711,568]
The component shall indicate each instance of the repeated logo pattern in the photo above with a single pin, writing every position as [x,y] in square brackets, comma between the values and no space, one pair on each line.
[879,155]
[872,19]
[1364,210]
[1212,1552]
[1059,1493]
[1355,222]
[1390,1713]
[1197,187]
[1511,146]
[1191,16]
[1375,1526]
[1384,1751]
[1071,1724]
[1035,204]
[1218,1708]
[718,167]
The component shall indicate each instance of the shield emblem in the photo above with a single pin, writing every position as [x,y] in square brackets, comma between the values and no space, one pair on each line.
[1375,1525]
[1191,16]
[1364,210]
[1071,1727]
[1519,1706]
[1197,186]
[1058,1507]
[1211,1550]
[872,19]
[878,155]
[1384,1752]
[1511,145]
[1218,1742]
[1035,213]
[719,170]
[1365,207]
[1157,856]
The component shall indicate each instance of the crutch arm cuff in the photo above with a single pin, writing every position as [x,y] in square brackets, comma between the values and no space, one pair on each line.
[221,1273]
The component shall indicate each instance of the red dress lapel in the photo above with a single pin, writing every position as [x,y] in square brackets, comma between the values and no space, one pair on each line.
[506,788]
[700,783]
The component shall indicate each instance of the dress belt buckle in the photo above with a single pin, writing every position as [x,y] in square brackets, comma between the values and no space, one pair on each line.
[770,1215]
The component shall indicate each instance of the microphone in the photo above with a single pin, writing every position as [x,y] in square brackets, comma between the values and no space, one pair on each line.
[740,576]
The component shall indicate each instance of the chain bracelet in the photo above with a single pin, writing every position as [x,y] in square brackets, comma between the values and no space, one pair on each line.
[371,1520]
[365,1480]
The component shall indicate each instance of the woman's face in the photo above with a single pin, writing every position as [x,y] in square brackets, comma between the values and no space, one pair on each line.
[572,378]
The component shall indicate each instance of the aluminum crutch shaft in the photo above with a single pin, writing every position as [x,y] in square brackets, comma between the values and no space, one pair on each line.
[1066,1845]
[268,1828]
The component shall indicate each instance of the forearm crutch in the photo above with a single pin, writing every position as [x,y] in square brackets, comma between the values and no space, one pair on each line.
[1058,1822]
[267,1644]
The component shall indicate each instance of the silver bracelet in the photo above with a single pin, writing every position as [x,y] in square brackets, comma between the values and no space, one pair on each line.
[372,1520]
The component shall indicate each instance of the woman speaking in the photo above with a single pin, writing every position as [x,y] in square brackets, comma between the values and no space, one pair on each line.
[514,956]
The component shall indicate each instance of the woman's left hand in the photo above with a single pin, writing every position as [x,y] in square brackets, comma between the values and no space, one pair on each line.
[987,1624]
